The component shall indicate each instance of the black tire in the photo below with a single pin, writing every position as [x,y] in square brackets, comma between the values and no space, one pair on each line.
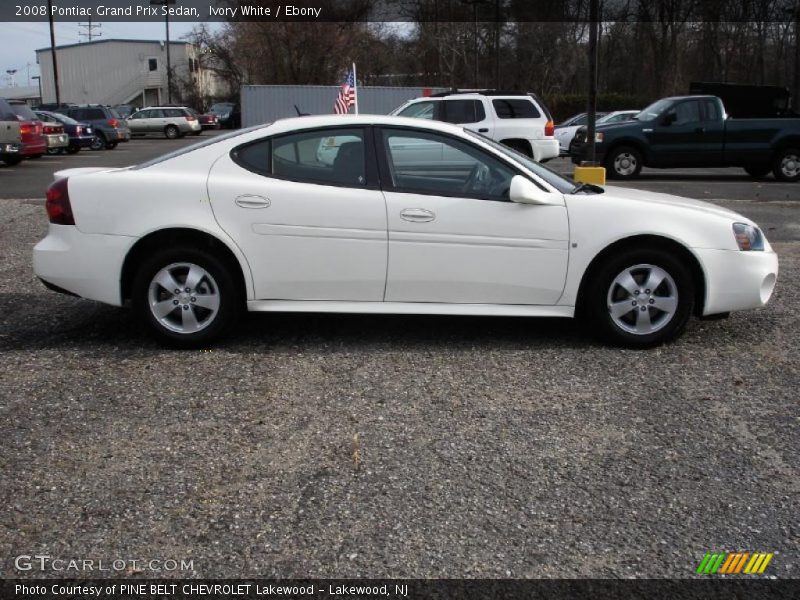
[758,171]
[98,143]
[73,149]
[35,156]
[623,162]
[111,145]
[12,161]
[171,132]
[786,165]
[219,281]
[197,132]
[602,291]
[54,151]
[519,146]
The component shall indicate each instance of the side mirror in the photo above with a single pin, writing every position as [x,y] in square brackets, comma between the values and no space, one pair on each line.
[669,119]
[524,191]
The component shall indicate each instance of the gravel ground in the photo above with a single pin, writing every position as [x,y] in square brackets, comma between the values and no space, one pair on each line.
[349,446]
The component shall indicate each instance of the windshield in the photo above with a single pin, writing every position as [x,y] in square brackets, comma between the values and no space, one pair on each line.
[61,118]
[654,110]
[563,185]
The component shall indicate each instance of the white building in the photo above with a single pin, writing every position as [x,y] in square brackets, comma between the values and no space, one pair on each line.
[117,71]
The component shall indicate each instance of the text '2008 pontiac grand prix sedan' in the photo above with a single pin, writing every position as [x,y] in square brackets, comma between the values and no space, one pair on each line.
[373,214]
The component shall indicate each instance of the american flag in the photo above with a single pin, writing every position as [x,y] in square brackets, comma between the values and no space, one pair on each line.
[347,95]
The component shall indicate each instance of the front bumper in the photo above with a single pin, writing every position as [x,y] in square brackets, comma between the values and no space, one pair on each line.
[84,264]
[737,280]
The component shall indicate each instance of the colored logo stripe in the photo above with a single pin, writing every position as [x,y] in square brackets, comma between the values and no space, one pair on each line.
[734,563]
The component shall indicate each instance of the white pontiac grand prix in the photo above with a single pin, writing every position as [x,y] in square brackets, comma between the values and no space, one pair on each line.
[374,214]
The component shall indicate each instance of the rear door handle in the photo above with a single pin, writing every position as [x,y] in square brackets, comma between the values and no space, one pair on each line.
[417,215]
[483,130]
[252,201]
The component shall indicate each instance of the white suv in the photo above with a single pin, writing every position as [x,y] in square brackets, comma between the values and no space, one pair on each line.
[520,121]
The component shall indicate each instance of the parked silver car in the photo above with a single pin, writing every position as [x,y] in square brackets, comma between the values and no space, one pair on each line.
[169,121]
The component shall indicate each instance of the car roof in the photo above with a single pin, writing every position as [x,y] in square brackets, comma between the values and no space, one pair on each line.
[313,121]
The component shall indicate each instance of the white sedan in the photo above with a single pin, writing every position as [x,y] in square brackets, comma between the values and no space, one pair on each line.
[374,214]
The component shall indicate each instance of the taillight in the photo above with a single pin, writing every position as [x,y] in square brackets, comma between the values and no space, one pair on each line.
[549,128]
[113,123]
[78,130]
[26,128]
[190,118]
[59,210]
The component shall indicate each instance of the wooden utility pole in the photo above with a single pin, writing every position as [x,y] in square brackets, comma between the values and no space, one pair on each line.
[591,108]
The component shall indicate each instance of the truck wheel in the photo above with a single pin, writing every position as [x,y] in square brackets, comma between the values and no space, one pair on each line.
[786,166]
[639,298]
[758,171]
[624,162]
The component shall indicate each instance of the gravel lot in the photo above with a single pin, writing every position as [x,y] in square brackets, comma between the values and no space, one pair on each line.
[349,446]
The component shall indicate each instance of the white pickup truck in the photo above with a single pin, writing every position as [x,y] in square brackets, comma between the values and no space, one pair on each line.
[520,121]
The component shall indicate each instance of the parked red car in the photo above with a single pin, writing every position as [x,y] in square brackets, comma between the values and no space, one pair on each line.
[34,143]
[207,121]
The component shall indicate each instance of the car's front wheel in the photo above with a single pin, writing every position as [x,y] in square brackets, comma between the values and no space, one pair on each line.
[98,143]
[188,297]
[624,162]
[639,298]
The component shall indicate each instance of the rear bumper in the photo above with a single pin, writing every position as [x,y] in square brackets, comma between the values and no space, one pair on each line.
[10,149]
[82,141]
[545,149]
[737,280]
[87,265]
[34,148]
[57,140]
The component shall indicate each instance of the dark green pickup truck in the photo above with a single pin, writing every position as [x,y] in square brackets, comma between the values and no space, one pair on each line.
[695,131]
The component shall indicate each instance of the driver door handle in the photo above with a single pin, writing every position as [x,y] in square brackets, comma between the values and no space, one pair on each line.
[417,215]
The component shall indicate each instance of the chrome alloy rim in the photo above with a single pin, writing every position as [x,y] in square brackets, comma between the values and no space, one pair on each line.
[625,163]
[184,297]
[642,299]
[790,165]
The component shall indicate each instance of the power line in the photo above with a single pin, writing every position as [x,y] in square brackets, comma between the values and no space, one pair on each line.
[87,30]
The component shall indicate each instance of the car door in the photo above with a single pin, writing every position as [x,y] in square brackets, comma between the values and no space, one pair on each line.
[454,236]
[156,120]
[469,113]
[137,122]
[310,220]
[679,138]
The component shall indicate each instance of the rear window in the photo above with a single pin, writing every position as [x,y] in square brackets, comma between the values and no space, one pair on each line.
[6,114]
[23,112]
[515,108]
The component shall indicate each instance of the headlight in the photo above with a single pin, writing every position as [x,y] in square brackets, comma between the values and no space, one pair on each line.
[748,237]
[598,137]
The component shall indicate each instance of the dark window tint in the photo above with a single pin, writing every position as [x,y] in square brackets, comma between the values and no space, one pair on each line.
[23,112]
[515,108]
[439,165]
[95,114]
[6,114]
[463,111]
[152,64]
[174,112]
[255,156]
[333,156]
[156,113]
[687,112]
[711,110]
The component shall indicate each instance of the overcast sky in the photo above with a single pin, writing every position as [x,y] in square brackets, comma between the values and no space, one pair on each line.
[20,41]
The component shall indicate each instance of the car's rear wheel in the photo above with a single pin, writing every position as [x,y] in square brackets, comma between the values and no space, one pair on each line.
[758,171]
[624,162]
[111,145]
[786,166]
[53,151]
[639,298]
[188,297]
[73,149]
[171,132]
[12,160]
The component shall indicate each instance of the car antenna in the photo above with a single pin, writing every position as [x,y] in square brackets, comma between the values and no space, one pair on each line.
[301,114]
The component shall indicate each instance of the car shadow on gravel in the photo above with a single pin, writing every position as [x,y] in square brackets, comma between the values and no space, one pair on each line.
[34,321]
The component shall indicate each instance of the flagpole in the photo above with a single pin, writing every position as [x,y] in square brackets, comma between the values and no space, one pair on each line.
[355,87]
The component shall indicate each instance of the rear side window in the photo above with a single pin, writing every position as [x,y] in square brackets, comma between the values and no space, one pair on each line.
[515,108]
[463,111]
[711,110]
[174,112]
[24,112]
[95,113]
[328,157]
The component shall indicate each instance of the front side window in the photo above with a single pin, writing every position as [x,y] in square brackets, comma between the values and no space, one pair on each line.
[428,163]
[329,157]
[419,110]
[711,110]
[155,113]
[687,112]
[515,108]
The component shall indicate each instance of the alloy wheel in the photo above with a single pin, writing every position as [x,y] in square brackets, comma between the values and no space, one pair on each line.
[184,298]
[642,299]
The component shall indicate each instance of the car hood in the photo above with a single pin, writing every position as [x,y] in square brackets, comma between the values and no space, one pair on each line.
[643,197]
